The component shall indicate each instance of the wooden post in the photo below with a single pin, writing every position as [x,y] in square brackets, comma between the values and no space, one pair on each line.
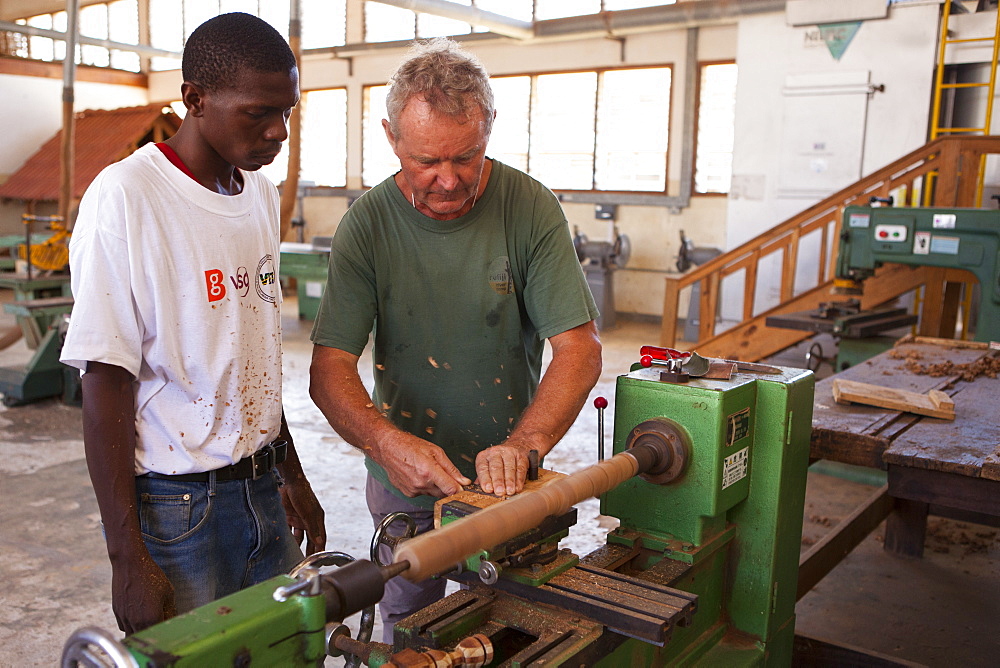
[67,158]
[750,285]
[707,306]
[668,327]
[290,190]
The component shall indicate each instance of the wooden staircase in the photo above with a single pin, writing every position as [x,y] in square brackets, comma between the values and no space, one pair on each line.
[950,166]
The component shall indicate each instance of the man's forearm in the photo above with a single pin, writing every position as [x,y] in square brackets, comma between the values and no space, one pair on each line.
[109,443]
[414,466]
[336,388]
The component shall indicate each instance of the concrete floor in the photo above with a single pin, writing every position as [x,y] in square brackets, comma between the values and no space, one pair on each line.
[942,610]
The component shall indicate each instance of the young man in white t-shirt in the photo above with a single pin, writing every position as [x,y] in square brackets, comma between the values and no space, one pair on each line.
[177,328]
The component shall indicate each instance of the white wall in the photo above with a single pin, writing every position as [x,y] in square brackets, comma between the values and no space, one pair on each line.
[898,52]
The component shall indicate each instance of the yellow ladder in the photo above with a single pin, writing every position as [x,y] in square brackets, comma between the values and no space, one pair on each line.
[937,129]
[940,86]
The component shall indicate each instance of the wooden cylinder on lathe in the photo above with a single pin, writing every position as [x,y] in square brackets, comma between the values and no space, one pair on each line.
[439,550]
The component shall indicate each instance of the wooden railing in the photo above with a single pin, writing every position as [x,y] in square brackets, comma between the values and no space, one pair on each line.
[955,163]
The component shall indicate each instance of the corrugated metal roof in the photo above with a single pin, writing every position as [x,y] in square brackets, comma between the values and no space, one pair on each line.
[103,136]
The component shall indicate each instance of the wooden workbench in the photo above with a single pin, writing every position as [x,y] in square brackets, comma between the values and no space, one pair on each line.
[947,467]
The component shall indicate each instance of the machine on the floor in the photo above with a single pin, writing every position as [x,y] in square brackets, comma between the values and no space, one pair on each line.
[707,479]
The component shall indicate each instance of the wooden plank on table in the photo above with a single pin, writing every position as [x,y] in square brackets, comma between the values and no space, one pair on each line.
[938,404]
[950,343]
[857,434]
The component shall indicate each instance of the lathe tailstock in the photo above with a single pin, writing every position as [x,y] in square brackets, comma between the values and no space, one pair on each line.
[707,480]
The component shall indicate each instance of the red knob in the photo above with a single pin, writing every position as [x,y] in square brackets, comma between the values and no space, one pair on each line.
[646,361]
[600,402]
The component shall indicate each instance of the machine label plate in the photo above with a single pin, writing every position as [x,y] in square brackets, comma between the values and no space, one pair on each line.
[921,243]
[944,221]
[859,220]
[944,245]
[734,467]
[737,426]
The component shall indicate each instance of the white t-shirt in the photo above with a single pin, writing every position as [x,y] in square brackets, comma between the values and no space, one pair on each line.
[178,285]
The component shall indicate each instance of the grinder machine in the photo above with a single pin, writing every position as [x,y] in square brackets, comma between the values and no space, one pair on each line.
[707,478]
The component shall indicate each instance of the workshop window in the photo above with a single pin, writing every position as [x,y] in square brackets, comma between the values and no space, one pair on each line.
[713,168]
[385,23]
[593,130]
[377,159]
[166,31]
[123,26]
[117,21]
[633,113]
[324,22]
[586,130]
[324,137]
[618,5]
[509,140]
[561,149]
[43,48]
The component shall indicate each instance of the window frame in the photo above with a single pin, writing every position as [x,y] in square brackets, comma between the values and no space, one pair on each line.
[600,71]
[702,64]
[347,132]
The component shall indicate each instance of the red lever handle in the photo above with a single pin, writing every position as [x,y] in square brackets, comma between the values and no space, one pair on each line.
[658,353]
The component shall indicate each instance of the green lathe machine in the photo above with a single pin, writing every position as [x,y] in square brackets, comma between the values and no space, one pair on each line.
[707,479]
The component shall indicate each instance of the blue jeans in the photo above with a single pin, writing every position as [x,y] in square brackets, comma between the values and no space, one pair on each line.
[402,598]
[215,538]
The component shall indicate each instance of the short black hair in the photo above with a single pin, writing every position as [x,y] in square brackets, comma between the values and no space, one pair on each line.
[222,48]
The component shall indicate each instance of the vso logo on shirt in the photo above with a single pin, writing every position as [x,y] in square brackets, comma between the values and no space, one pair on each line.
[265,282]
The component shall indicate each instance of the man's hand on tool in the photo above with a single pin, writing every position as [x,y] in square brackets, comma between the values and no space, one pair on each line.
[503,468]
[141,595]
[417,467]
[414,465]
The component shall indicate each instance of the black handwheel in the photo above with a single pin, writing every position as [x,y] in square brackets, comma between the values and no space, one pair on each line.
[383,537]
[814,357]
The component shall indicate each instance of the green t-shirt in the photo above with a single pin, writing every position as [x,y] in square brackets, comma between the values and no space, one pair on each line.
[460,308]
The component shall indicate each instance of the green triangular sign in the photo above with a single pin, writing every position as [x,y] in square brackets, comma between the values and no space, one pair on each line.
[838,35]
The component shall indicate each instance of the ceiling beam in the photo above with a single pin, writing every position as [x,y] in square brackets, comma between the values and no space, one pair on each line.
[83,39]
[502,25]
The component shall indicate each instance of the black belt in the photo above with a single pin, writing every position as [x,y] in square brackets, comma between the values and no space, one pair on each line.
[255,466]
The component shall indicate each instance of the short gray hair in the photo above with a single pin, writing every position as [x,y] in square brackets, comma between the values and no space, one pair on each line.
[449,78]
